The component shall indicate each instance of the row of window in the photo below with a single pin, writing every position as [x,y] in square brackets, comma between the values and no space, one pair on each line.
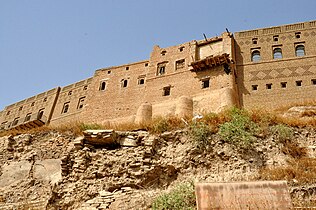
[124,83]
[297,35]
[164,51]
[161,67]
[298,83]
[27,118]
[277,53]
[205,83]
[67,104]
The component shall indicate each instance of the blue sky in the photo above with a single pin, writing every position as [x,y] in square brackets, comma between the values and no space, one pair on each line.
[50,43]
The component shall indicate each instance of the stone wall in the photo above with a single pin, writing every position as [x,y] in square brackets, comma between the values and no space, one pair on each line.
[273,82]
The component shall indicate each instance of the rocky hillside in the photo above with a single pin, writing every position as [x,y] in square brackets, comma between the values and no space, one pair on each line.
[128,170]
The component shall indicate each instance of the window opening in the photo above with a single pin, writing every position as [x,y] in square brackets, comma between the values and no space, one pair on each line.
[255,41]
[276,38]
[33,103]
[124,83]
[146,64]
[161,68]
[102,85]
[8,112]
[313,81]
[180,64]
[166,91]
[65,107]
[15,121]
[277,53]
[299,50]
[181,49]
[163,52]
[127,68]
[21,107]
[28,117]
[255,56]
[70,93]
[40,114]
[283,84]
[81,103]
[141,81]
[298,83]
[298,35]
[109,71]
[45,99]
[85,87]
[205,83]
[254,87]
[269,86]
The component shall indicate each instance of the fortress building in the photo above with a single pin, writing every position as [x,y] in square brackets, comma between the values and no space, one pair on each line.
[268,67]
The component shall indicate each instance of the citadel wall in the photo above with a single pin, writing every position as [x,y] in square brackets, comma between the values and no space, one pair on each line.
[71,102]
[276,66]
[268,67]
[39,107]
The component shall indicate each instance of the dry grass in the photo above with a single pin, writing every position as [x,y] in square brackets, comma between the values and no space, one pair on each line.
[303,170]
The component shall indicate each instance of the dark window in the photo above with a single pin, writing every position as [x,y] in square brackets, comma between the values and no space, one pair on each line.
[206,83]
[28,117]
[254,87]
[161,68]
[298,35]
[127,68]
[276,38]
[45,99]
[299,50]
[163,52]
[85,87]
[255,41]
[298,83]
[180,64]
[70,93]
[109,71]
[313,81]
[8,112]
[283,84]
[124,83]
[141,81]
[255,56]
[15,121]
[33,103]
[102,85]
[269,86]
[65,107]
[166,91]
[40,114]
[277,53]
[81,103]
[146,64]
[181,49]
[21,107]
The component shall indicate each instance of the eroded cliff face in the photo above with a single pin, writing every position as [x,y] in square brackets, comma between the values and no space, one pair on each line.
[61,171]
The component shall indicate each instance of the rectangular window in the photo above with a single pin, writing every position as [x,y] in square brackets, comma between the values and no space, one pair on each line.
[313,81]
[81,103]
[283,84]
[206,83]
[298,83]
[269,86]
[161,68]
[254,87]
[180,64]
[166,91]
[65,107]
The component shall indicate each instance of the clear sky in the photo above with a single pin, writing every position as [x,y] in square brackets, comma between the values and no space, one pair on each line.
[50,43]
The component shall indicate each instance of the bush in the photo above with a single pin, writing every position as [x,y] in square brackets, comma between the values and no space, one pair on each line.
[199,133]
[94,126]
[181,197]
[162,124]
[283,133]
[240,130]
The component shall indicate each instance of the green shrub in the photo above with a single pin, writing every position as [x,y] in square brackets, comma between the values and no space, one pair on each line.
[180,198]
[199,133]
[240,130]
[283,132]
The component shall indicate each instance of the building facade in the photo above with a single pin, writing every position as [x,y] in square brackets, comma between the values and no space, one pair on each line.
[268,67]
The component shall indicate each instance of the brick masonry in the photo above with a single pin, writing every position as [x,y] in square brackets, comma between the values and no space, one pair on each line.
[117,94]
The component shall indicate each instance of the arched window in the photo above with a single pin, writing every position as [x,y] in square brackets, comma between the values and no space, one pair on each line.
[102,85]
[255,56]
[277,53]
[300,50]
